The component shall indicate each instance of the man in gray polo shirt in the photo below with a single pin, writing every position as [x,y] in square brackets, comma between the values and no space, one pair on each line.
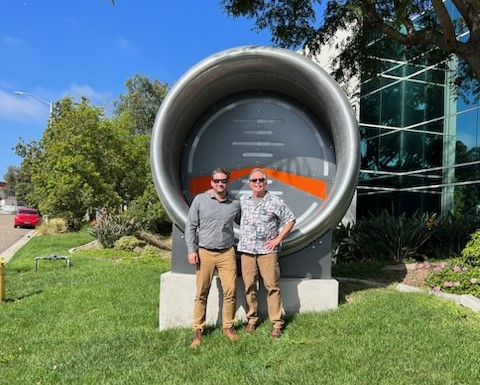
[209,237]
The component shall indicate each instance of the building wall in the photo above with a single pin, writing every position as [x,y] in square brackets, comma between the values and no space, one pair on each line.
[408,121]
[403,123]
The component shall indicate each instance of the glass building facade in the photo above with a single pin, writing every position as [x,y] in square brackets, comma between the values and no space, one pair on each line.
[419,142]
[407,140]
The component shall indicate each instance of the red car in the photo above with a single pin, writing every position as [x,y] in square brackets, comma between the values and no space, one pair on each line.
[26,217]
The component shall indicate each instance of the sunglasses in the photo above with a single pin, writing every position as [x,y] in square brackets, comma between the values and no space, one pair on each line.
[217,181]
[261,180]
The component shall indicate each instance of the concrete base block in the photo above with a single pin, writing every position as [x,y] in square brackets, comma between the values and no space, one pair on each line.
[299,295]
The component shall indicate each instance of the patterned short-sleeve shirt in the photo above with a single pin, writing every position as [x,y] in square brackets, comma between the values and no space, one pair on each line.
[262,222]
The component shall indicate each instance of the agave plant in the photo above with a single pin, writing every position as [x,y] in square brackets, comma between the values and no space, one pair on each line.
[113,227]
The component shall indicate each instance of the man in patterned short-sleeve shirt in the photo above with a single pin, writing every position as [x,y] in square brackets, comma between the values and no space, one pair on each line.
[266,221]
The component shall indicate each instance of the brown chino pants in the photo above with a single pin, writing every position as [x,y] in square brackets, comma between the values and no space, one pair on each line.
[267,266]
[225,263]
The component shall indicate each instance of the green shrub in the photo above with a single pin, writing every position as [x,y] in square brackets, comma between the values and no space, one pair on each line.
[385,237]
[151,251]
[455,277]
[53,226]
[127,243]
[471,253]
[450,235]
[460,275]
[381,237]
[344,248]
[148,210]
[113,227]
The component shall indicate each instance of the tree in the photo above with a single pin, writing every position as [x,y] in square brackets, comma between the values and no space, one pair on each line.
[142,100]
[148,210]
[30,152]
[139,107]
[86,162]
[11,178]
[425,25]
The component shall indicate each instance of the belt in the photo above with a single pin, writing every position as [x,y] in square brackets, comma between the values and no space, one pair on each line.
[216,250]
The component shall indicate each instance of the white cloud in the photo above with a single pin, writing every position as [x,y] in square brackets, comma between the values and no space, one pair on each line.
[11,41]
[33,106]
[22,108]
[101,99]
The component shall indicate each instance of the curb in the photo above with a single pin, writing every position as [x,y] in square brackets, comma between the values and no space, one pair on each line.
[8,254]
[466,300]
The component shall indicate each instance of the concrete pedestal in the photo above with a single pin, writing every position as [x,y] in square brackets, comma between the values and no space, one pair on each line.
[299,295]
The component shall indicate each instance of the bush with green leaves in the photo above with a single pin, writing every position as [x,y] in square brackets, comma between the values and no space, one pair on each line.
[344,248]
[150,251]
[460,275]
[111,228]
[385,237]
[127,243]
[148,210]
[455,277]
[471,252]
[381,237]
[450,235]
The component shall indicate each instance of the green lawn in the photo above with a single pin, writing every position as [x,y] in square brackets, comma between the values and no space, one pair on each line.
[97,323]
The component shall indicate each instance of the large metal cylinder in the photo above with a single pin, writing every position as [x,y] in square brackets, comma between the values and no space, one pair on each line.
[266,107]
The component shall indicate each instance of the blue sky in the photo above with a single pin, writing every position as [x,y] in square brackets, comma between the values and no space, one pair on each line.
[54,48]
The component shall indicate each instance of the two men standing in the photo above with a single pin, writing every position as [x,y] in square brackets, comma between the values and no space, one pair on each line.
[265,222]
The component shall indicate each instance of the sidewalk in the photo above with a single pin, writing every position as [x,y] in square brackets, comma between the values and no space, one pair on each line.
[8,254]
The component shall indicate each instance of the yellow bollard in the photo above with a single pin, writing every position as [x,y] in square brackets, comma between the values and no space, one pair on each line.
[2,280]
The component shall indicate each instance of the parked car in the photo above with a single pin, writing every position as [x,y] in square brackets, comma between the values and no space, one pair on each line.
[27,217]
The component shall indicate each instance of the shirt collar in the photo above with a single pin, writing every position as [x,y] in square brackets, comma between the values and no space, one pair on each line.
[227,198]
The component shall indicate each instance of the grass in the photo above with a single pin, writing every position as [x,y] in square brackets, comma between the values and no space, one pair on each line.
[97,323]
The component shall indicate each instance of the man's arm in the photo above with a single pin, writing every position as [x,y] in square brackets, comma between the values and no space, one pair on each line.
[191,227]
[272,243]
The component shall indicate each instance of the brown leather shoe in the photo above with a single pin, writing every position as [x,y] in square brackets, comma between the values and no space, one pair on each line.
[250,328]
[231,334]
[197,338]
[276,333]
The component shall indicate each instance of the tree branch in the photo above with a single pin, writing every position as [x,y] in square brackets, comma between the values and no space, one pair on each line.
[468,6]
[424,37]
[448,30]
[470,11]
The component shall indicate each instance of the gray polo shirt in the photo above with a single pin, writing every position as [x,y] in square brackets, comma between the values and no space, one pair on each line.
[210,222]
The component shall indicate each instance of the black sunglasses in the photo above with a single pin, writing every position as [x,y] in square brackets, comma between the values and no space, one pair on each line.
[261,180]
[217,181]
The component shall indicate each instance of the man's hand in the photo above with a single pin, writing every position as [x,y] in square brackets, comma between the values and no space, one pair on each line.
[272,243]
[193,258]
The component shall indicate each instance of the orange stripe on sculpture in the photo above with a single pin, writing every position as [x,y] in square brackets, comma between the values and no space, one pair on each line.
[311,186]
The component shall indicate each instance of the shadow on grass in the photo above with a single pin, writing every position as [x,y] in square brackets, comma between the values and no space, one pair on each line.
[366,275]
[21,297]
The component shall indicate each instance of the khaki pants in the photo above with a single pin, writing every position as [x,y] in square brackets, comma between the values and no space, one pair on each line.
[225,263]
[267,266]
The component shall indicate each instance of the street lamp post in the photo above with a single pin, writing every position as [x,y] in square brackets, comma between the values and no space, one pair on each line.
[50,103]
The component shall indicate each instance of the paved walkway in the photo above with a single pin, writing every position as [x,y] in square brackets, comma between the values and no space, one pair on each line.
[11,239]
